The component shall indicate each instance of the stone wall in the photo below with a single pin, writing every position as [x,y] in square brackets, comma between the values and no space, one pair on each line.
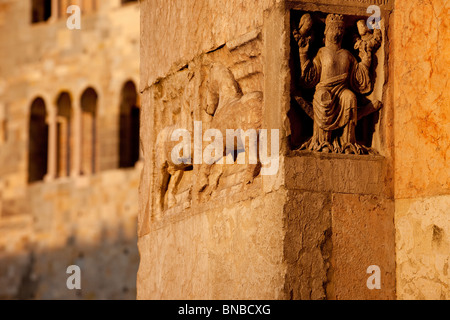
[227,242]
[103,55]
[82,218]
[308,232]
[89,222]
[422,129]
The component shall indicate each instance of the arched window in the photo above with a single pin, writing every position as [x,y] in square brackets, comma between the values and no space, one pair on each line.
[88,131]
[129,126]
[37,141]
[64,135]
[41,10]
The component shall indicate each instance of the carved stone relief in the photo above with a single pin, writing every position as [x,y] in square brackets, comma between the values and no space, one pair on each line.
[230,108]
[174,97]
[221,90]
[333,81]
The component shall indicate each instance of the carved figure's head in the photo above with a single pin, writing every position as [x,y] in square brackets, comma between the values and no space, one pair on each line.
[334,29]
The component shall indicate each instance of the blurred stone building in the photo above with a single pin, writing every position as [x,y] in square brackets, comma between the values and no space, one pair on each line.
[69,148]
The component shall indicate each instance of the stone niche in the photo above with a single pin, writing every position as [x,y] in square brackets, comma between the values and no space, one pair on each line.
[368,133]
[340,205]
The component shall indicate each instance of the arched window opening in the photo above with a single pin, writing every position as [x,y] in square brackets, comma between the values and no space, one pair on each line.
[129,126]
[37,142]
[64,135]
[88,132]
[41,10]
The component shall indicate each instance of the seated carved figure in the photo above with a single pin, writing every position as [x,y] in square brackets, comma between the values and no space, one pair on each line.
[337,76]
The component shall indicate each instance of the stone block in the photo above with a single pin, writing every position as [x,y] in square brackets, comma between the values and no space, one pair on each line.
[423,246]
[336,173]
[363,235]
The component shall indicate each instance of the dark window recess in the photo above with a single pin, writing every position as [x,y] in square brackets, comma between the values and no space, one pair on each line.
[129,127]
[89,131]
[38,142]
[41,10]
[63,135]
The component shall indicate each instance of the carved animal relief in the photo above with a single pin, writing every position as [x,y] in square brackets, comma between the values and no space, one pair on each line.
[334,78]
[230,109]
[218,92]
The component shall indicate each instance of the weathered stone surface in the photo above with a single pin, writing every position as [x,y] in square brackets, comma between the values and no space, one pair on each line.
[422,133]
[362,235]
[337,173]
[331,216]
[228,251]
[189,28]
[307,245]
[229,259]
[332,239]
[423,247]
[422,95]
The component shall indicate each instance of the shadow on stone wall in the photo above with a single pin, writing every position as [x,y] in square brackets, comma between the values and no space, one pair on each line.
[90,222]
[108,269]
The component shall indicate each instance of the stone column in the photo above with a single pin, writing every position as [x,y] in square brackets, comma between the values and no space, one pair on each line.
[76,139]
[51,122]
[62,7]
[55,11]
